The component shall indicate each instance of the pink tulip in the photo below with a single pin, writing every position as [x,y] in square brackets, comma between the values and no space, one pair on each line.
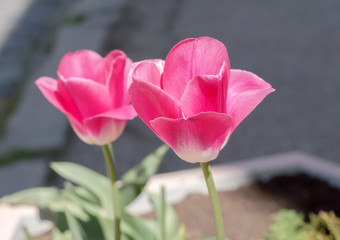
[92,92]
[193,101]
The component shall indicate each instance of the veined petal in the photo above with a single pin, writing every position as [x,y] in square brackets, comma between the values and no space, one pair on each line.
[67,100]
[83,64]
[58,95]
[151,102]
[206,93]
[126,112]
[148,72]
[115,64]
[196,139]
[91,98]
[159,63]
[127,70]
[246,90]
[192,57]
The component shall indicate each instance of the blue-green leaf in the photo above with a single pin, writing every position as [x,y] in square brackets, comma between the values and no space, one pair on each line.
[96,183]
[74,226]
[39,197]
[136,228]
[171,221]
[135,179]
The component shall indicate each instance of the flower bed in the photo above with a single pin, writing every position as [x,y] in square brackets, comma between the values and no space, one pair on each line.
[249,210]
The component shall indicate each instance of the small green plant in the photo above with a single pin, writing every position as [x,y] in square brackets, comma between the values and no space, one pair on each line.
[287,226]
[323,226]
[290,225]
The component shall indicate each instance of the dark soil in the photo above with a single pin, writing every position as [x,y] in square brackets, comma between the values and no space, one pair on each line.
[248,211]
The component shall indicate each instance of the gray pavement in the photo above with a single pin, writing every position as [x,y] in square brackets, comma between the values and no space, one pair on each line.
[27,29]
[292,45]
[35,128]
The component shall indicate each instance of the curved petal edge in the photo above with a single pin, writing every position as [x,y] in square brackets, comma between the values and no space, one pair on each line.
[196,139]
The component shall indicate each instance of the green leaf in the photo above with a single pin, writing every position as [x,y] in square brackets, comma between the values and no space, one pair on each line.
[64,205]
[85,194]
[212,238]
[101,216]
[149,166]
[135,179]
[59,235]
[181,233]
[136,228]
[26,233]
[49,198]
[74,226]
[107,227]
[96,183]
[40,197]
[171,221]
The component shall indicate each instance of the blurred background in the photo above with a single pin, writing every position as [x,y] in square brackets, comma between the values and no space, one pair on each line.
[293,45]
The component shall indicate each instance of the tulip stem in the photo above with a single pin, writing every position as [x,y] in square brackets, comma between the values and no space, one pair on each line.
[214,201]
[109,158]
[163,213]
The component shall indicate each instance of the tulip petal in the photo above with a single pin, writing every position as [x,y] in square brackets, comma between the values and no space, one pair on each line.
[83,64]
[190,58]
[196,139]
[206,93]
[49,88]
[149,72]
[126,112]
[128,67]
[67,100]
[80,130]
[90,97]
[246,90]
[116,65]
[159,63]
[105,127]
[58,95]
[151,101]
[103,130]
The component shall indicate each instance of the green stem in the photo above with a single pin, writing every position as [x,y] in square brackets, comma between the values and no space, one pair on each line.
[27,234]
[214,201]
[163,213]
[109,158]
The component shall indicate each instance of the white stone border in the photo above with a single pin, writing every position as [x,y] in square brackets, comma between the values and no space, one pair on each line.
[231,176]
[13,218]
